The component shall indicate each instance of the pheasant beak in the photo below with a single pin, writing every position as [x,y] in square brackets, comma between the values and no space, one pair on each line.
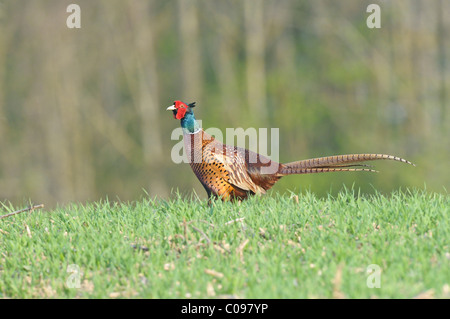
[171,108]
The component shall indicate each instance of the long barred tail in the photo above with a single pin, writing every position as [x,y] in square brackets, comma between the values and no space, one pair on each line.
[338,163]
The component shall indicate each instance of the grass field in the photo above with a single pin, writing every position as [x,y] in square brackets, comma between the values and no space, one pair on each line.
[280,246]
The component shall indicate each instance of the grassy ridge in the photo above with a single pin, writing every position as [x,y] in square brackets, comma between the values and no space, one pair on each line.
[270,247]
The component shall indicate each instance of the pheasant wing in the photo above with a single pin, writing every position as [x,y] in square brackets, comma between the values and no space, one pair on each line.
[236,168]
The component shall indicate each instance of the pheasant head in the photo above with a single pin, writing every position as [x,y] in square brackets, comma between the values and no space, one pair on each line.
[182,111]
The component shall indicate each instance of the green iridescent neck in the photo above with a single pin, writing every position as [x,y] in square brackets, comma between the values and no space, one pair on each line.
[189,124]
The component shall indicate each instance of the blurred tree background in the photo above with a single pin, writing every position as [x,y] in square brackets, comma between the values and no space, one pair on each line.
[82,111]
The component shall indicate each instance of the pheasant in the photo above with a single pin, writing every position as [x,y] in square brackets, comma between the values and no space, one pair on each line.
[231,173]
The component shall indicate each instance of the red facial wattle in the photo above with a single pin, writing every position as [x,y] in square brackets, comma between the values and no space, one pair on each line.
[181,109]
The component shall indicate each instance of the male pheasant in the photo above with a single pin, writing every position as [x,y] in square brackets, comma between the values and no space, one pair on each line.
[230,172]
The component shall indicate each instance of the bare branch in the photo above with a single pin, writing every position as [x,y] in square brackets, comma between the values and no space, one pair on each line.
[29,209]
[202,233]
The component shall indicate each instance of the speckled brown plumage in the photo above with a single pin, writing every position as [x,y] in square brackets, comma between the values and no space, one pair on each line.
[225,171]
